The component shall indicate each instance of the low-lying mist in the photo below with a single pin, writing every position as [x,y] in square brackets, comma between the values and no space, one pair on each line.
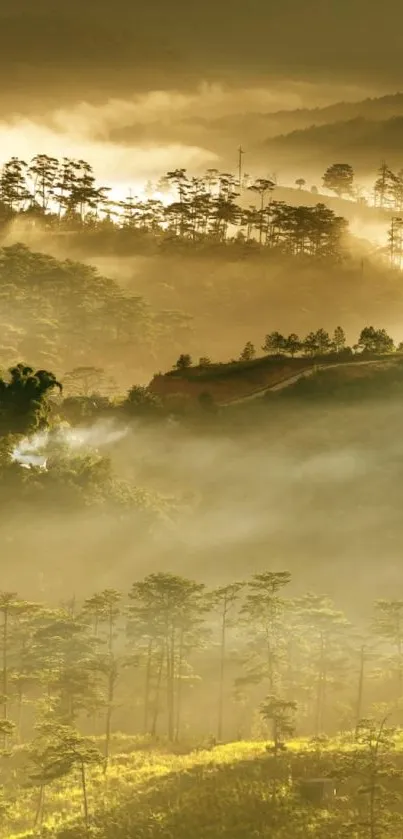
[283,486]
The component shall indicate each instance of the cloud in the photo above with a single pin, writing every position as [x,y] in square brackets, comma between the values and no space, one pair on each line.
[113,163]
[106,48]
[141,136]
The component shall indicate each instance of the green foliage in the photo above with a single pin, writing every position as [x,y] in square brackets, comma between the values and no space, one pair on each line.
[140,401]
[274,343]
[375,341]
[280,713]
[23,405]
[317,343]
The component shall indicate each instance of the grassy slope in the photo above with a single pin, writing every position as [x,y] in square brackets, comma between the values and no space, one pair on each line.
[222,792]
[349,383]
[228,381]
[239,379]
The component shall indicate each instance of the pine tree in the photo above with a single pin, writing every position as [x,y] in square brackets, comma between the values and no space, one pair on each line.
[263,613]
[105,610]
[248,353]
[274,343]
[56,752]
[167,611]
[339,339]
[224,600]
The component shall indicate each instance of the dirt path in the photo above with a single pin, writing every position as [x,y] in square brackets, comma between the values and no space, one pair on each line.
[290,380]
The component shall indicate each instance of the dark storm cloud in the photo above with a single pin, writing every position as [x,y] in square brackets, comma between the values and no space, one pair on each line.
[125,44]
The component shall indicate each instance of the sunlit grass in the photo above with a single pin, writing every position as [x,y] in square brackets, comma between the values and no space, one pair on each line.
[153,792]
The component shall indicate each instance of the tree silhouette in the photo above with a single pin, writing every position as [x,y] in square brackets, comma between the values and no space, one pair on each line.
[248,353]
[224,599]
[43,170]
[184,362]
[171,607]
[375,341]
[23,406]
[274,343]
[105,610]
[388,625]
[339,178]
[339,339]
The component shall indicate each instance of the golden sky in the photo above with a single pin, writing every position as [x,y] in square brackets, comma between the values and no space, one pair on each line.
[137,87]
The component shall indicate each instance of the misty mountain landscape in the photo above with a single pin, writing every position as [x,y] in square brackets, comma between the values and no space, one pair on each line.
[201,402]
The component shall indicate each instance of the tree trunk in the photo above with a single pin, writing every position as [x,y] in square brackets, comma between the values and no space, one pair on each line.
[85,798]
[19,714]
[40,808]
[109,710]
[5,671]
[179,691]
[319,695]
[222,675]
[157,696]
[400,665]
[358,713]
[147,687]
[171,685]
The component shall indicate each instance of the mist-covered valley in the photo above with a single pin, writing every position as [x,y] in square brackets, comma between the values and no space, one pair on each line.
[201,395]
[201,398]
[313,489]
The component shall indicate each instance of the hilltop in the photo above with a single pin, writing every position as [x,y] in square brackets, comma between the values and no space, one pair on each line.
[228,382]
[322,376]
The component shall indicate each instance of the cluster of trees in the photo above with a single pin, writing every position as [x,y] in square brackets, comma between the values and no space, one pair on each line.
[193,208]
[170,630]
[311,231]
[31,408]
[271,664]
[47,185]
[388,189]
[371,341]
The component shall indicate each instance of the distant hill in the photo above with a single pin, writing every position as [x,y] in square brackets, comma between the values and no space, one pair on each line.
[271,124]
[253,129]
[381,108]
[360,141]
